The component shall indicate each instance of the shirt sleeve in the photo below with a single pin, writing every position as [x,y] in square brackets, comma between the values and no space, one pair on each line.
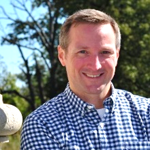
[36,136]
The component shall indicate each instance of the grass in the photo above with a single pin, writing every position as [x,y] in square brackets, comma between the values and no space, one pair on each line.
[13,144]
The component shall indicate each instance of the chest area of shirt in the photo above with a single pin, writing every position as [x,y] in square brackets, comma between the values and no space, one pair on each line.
[117,130]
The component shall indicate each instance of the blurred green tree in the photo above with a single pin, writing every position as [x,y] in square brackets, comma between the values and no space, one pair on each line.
[10,90]
[38,32]
[39,35]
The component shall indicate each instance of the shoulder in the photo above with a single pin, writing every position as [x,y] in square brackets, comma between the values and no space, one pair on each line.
[130,96]
[49,110]
[43,124]
[140,102]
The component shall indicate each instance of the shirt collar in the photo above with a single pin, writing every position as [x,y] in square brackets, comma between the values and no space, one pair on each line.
[110,102]
[77,103]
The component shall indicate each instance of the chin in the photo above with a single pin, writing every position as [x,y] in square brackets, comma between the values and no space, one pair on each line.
[94,89]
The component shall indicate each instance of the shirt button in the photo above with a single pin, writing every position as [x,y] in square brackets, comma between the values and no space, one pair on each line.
[102,125]
[89,108]
[82,114]
[107,111]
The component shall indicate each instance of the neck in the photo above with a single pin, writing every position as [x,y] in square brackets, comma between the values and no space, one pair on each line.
[95,99]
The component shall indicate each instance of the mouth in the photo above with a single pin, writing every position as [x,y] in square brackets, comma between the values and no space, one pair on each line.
[94,76]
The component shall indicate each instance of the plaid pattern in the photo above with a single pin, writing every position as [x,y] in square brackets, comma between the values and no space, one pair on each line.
[68,123]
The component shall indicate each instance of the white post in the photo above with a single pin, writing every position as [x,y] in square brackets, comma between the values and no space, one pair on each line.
[10,121]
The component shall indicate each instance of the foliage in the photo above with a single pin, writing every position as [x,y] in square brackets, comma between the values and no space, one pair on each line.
[133,69]
[40,36]
[14,142]
[7,84]
[8,87]
[38,32]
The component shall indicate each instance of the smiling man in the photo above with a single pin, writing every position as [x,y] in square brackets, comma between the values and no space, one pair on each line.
[90,114]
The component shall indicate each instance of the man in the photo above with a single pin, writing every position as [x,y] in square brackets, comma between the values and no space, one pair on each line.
[90,114]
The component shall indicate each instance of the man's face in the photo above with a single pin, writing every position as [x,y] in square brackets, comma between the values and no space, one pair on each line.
[90,59]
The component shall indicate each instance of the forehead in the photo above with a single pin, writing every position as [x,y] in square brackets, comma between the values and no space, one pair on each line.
[92,35]
[91,31]
[90,27]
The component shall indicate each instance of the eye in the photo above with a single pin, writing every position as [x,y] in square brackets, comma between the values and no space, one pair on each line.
[83,51]
[105,52]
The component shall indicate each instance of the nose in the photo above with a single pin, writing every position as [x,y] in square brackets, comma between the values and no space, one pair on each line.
[95,62]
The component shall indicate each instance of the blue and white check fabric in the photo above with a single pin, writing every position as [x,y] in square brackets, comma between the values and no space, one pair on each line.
[68,123]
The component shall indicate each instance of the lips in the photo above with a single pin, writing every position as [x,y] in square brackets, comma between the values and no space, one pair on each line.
[94,76]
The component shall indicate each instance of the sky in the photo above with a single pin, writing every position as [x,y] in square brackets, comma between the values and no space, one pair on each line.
[10,54]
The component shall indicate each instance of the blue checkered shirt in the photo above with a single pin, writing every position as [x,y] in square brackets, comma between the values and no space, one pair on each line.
[68,123]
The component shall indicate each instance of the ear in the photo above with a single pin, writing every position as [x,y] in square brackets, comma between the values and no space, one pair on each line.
[117,55]
[61,55]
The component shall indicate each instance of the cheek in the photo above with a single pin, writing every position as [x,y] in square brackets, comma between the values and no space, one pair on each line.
[73,64]
[78,62]
[77,65]
[110,63]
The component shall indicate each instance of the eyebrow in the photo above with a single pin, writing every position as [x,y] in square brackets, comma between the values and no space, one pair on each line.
[82,47]
[107,47]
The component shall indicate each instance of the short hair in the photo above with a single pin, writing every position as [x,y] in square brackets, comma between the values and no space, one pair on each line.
[90,16]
